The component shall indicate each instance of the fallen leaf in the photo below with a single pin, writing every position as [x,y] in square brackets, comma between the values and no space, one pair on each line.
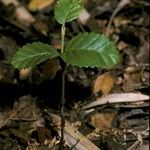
[50,68]
[131,82]
[117,98]
[36,5]
[102,121]
[72,136]
[122,46]
[24,73]
[142,57]
[120,5]
[103,83]
[132,79]
[75,138]
[21,14]
[134,119]
[84,16]
[119,21]
[26,108]
[41,26]
[44,134]
[4,118]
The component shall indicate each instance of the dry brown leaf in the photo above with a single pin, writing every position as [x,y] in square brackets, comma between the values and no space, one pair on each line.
[5,117]
[24,73]
[120,5]
[50,68]
[119,21]
[103,84]
[42,26]
[72,136]
[44,135]
[75,138]
[132,79]
[102,121]
[118,98]
[84,16]
[35,5]
[21,14]
[26,109]
[122,46]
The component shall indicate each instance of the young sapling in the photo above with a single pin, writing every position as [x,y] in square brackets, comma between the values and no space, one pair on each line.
[84,50]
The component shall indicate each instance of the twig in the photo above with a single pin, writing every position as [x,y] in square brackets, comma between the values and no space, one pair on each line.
[134,146]
[121,4]
[137,143]
[140,136]
[24,119]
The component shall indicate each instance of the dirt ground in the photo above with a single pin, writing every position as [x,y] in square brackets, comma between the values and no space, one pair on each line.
[106,109]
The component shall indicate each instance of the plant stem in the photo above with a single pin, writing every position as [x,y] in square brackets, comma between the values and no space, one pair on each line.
[62,37]
[63,90]
[62,110]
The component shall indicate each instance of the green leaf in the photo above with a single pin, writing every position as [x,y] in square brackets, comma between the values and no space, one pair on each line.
[67,10]
[91,50]
[32,54]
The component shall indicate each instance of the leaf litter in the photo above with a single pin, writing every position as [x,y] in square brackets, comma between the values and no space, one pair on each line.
[115,119]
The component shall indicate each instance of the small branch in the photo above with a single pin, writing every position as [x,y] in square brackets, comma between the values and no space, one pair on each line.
[120,5]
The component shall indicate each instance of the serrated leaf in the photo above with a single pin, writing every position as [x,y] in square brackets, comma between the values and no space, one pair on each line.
[67,10]
[91,50]
[32,54]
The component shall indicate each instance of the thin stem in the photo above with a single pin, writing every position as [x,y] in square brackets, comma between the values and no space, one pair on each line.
[62,37]
[63,90]
[62,110]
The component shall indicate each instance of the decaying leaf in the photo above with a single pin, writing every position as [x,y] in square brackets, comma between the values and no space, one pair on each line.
[118,98]
[44,135]
[119,21]
[132,79]
[120,5]
[71,135]
[50,68]
[103,83]
[136,118]
[21,14]
[84,16]
[35,5]
[4,118]
[102,121]
[24,73]
[122,45]
[26,108]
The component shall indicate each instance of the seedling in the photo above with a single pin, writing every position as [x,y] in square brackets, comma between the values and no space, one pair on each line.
[84,50]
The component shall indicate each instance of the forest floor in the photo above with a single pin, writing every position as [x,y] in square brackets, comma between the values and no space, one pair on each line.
[106,109]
